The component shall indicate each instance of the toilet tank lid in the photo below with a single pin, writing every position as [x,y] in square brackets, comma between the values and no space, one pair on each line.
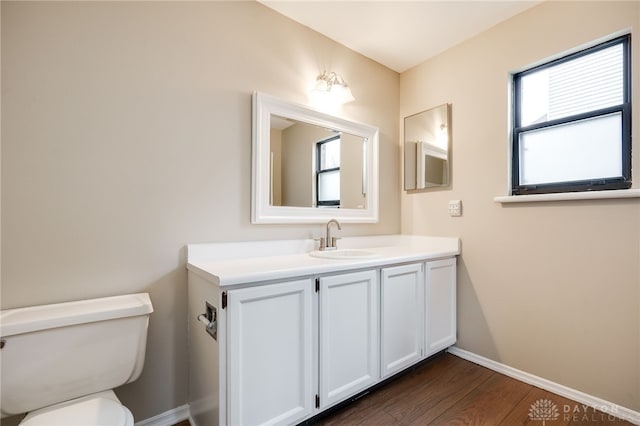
[35,318]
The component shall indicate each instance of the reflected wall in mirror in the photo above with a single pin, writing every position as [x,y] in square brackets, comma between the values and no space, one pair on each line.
[427,149]
[309,167]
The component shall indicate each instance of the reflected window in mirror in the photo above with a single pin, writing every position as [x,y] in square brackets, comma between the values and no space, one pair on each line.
[328,173]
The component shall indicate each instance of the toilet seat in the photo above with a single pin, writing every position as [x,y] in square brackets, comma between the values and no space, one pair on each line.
[100,409]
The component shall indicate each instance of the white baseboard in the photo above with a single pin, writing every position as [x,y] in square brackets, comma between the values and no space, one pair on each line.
[167,418]
[573,394]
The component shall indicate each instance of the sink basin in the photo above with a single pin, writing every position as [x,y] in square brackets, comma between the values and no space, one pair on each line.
[344,254]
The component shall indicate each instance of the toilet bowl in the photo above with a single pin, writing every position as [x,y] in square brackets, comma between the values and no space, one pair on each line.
[60,362]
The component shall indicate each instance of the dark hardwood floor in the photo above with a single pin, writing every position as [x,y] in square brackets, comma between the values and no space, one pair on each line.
[447,390]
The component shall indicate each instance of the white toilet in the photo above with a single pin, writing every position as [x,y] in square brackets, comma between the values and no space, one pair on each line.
[59,362]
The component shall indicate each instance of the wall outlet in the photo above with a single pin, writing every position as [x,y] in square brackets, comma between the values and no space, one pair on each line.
[455,207]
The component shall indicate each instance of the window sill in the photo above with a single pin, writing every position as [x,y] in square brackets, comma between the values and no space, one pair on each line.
[569,196]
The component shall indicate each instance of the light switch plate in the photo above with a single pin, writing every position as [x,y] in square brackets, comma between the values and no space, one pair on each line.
[455,207]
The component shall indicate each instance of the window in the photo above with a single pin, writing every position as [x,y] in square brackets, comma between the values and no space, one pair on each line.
[328,172]
[572,122]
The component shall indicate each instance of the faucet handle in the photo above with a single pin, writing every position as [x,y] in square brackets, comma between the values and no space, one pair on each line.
[321,245]
[334,242]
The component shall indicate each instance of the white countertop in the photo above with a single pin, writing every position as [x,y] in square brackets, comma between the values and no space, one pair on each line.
[229,264]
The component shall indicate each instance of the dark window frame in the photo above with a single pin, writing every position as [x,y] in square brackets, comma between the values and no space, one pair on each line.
[621,182]
[320,170]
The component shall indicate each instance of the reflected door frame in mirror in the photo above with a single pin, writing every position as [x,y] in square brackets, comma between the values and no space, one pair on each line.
[262,210]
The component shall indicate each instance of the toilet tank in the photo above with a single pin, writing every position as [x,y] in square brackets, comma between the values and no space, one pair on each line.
[53,353]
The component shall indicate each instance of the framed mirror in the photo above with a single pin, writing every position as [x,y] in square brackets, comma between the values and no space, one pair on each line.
[309,167]
[427,149]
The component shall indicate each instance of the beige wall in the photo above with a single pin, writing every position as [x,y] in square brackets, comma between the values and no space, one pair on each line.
[298,155]
[127,134]
[351,170]
[549,288]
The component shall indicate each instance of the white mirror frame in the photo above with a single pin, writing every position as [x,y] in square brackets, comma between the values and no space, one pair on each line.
[262,212]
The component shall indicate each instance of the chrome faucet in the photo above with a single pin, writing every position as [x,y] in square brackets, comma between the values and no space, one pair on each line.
[330,243]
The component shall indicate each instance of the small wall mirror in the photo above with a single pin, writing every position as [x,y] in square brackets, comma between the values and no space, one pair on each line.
[309,167]
[427,149]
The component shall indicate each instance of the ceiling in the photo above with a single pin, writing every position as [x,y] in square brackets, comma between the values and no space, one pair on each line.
[399,34]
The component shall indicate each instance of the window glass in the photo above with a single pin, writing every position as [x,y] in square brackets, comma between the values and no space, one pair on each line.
[590,82]
[329,186]
[330,154]
[328,173]
[572,122]
[582,150]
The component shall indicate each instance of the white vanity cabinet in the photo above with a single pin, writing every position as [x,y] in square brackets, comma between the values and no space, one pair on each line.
[402,317]
[349,345]
[440,305]
[277,339]
[270,343]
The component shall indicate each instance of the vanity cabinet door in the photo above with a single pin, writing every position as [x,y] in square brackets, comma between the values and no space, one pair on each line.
[349,330]
[402,317]
[440,305]
[270,353]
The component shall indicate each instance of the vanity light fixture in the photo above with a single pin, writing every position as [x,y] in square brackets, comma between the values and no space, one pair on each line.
[442,137]
[331,87]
